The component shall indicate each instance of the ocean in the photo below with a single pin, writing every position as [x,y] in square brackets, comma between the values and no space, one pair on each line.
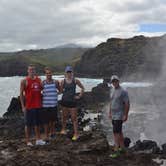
[9,87]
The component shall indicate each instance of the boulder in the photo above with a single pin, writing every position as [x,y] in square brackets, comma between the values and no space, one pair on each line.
[164,148]
[147,146]
[101,92]
[127,142]
[14,108]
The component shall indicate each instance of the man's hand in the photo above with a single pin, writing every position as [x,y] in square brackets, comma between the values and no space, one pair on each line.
[77,97]
[23,109]
[110,115]
[125,117]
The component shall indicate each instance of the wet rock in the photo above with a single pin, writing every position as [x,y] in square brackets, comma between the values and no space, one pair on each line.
[14,109]
[127,142]
[90,150]
[164,148]
[12,128]
[101,92]
[146,146]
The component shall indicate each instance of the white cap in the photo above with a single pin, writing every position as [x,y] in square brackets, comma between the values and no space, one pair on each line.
[114,77]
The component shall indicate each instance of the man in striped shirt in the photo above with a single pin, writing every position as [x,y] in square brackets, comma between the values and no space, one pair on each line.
[49,103]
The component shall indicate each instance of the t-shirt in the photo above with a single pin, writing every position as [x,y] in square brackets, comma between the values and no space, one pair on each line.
[50,94]
[33,93]
[118,98]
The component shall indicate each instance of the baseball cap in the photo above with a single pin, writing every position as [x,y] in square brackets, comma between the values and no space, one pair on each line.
[115,77]
[68,69]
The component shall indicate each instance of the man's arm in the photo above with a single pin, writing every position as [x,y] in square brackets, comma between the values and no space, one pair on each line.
[22,88]
[57,85]
[61,86]
[126,106]
[110,114]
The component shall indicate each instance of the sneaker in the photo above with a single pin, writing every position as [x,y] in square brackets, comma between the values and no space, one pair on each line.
[122,150]
[40,142]
[29,144]
[75,138]
[115,154]
[52,136]
[47,142]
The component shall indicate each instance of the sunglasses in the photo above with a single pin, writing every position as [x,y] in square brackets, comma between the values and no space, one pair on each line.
[114,81]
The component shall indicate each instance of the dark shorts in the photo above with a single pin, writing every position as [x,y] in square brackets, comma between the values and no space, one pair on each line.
[117,126]
[32,117]
[69,104]
[49,114]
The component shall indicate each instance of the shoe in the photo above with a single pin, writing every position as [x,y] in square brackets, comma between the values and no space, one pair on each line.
[52,136]
[115,154]
[29,144]
[47,142]
[75,138]
[122,150]
[40,142]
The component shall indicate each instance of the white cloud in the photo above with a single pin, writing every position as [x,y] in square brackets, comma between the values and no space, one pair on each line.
[47,23]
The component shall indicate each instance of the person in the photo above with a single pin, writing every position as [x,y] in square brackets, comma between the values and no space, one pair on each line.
[119,108]
[50,102]
[31,87]
[69,97]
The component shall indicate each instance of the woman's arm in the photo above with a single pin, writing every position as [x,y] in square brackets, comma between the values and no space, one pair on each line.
[81,86]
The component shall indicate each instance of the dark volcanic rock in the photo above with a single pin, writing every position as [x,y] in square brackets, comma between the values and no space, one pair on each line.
[127,142]
[94,151]
[101,92]
[164,148]
[146,145]
[11,128]
[14,108]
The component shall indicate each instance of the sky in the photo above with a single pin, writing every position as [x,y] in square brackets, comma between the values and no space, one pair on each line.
[35,24]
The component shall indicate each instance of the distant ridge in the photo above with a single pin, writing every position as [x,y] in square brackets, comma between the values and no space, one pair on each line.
[15,63]
[70,45]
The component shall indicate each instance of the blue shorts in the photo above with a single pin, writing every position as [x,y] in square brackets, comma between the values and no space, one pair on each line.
[32,117]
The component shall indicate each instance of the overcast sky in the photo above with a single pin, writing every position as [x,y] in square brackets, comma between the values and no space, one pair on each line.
[33,24]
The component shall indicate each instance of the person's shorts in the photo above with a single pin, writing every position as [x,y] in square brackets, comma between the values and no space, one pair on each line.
[32,117]
[69,104]
[117,126]
[49,114]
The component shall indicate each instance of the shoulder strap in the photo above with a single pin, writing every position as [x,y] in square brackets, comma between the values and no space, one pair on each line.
[44,82]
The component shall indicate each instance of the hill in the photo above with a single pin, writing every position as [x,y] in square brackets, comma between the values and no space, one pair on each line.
[138,55]
[15,63]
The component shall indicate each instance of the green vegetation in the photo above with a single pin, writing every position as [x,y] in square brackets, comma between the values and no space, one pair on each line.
[15,63]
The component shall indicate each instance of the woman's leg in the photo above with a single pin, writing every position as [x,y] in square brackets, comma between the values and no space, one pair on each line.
[65,113]
[73,112]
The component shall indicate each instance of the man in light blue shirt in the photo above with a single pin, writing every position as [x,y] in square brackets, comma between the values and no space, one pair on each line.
[119,108]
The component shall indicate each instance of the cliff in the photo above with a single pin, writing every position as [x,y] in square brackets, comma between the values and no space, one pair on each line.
[143,55]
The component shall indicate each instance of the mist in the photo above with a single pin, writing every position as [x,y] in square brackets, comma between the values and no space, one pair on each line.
[147,116]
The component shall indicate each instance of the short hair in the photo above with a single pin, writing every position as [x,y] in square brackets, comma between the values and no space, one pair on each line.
[47,68]
[31,65]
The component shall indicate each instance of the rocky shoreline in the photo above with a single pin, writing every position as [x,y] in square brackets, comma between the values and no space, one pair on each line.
[90,150]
